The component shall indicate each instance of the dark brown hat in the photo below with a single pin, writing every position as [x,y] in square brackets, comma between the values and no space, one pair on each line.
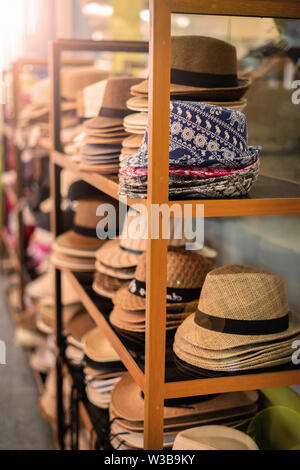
[113,109]
[203,66]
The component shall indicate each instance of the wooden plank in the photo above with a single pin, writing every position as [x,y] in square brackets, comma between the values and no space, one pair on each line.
[158,192]
[231,384]
[259,8]
[101,321]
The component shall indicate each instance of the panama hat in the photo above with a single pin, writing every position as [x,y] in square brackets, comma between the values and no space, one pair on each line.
[213,438]
[122,273]
[186,272]
[203,66]
[113,109]
[74,263]
[127,403]
[82,239]
[97,347]
[106,285]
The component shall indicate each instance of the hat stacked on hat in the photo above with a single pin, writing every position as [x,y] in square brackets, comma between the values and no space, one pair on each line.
[242,323]
[209,155]
[103,367]
[76,328]
[202,69]
[186,271]
[104,134]
[127,413]
[116,260]
[76,249]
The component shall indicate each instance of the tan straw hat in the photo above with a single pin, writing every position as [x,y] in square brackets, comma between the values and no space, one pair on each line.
[106,285]
[97,347]
[213,438]
[240,306]
[186,272]
[120,273]
[205,67]
[113,109]
[80,325]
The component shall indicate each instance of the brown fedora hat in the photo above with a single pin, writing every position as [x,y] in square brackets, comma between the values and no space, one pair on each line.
[186,272]
[113,109]
[79,325]
[76,79]
[82,239]
[240,306]
[106,285]
[204,66]
[127,403]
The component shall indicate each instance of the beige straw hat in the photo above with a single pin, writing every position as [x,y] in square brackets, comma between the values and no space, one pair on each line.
[97,347]
[127,403]
[113,109]
[133,142]
[136,120]
[205,67]
[82,240]
[138,104]
[74,263]
[186,272]
[240,306]
[106,285]
[213,438]
[121,273]
[80,325]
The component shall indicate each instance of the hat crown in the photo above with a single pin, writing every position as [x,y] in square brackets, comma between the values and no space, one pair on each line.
[216,57]
[202,133]
[86,212]
[243,293]
[117,92]
[76,79]
[185,269]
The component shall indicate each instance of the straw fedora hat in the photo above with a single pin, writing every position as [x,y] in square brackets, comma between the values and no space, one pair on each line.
[132,142]
[113,109]
[75,263]
[205,67]
[97,347]
[127,403]
[122,273]
[240,306]
[213,438]
[82,239]
[80,325]
[106,285]
[186,272]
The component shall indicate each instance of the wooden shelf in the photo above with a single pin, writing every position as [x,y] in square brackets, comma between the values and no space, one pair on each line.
[103,323]
[269,196]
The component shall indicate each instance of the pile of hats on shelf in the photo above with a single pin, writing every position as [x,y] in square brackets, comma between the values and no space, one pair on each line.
[209,152]
[127,413]
[186,272]
[104,134]
[242,323]
[103,368]
[76,249]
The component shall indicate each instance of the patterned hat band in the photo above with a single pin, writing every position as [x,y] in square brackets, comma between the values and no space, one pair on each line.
[174,295]
[205,80]
[241,327]
[129,250]
[115,113]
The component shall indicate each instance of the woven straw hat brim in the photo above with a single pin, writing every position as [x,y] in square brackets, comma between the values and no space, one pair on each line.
[213,438]
[251,359]
[127,403]
[138,104]
[266,363]
[79,325]
[75,264]
[97,347]
[230,353]
[222,94]
[196,335]
[138,317]
[132,142]
[77,245]
[136,120]
[101,268]
[103,292]
[112,255]
[101,122]
[124,299]
[92,140]
[135,130]
[136,440]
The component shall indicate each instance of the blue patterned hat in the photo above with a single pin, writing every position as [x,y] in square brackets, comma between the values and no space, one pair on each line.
[203,135]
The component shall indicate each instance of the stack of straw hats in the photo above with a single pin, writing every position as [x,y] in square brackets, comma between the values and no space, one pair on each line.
[186,272]
[242,323]
[202,69]
[76,248]
[209,155]
[213,438]
[104,134]
[103,368]
[76,328]
[127,413]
